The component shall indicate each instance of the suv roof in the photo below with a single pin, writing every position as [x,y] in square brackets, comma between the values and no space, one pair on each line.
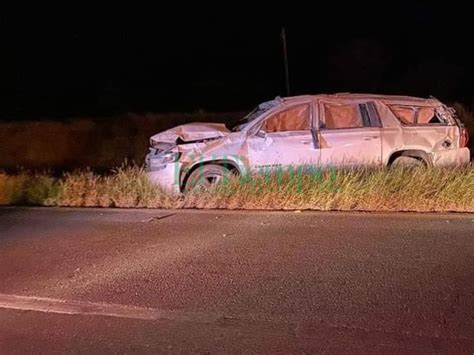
[393,99]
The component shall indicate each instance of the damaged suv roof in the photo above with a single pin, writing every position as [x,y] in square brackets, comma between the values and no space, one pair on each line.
[358,96]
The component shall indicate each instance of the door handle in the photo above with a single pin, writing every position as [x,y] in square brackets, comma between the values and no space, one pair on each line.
[306,142]
[369,138]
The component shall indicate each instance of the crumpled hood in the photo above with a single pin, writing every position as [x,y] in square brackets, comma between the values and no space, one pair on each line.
[191,132]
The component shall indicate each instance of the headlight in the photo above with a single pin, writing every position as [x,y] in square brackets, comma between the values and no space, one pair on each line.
[158,161]
[170,157]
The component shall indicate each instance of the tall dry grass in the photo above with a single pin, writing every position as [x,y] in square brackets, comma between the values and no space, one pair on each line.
[28,189]
[382,189]
[125,187]
[434,189]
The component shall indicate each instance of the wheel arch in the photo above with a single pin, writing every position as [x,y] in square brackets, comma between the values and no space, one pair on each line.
[412,153]
[227,163]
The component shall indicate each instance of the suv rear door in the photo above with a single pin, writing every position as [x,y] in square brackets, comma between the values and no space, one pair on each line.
[349,133]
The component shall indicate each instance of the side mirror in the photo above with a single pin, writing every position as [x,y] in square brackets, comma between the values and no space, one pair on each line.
[261,133]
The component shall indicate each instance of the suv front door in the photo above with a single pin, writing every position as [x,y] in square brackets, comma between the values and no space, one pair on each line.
[284,139]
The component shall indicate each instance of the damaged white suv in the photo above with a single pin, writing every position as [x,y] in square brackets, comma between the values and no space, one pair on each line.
[319,131]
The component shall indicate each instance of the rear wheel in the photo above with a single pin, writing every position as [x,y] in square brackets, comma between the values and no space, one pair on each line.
[206,176]
[408,162]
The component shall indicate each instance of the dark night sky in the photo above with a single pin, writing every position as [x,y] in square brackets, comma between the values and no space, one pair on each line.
[91,61]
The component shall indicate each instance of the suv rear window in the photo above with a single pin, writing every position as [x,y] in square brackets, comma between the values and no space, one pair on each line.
[417,115]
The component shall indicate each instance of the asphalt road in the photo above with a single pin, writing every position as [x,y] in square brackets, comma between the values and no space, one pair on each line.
[91,280]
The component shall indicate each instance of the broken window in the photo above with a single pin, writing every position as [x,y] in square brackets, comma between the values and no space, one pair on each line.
[296,118]
[342,116]
[257,112]
[413,115]
[405,114]
[427,115]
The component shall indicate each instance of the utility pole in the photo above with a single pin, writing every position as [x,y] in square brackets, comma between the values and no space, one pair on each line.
[285,58]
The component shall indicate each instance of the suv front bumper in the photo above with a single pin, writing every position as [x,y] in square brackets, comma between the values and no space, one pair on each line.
[165,175]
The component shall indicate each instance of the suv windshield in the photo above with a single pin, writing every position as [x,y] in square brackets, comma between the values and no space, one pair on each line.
[259,110]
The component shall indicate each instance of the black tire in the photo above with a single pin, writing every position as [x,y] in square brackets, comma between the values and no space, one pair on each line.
[408,162]
[206,176]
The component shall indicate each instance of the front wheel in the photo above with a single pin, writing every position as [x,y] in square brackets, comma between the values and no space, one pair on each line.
[206,176]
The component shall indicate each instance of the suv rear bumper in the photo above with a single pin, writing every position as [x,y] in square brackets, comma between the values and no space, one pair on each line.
[451,157]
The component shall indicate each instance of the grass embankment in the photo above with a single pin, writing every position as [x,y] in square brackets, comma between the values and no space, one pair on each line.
[424,190]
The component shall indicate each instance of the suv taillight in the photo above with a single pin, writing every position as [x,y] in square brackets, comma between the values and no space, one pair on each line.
[464,137]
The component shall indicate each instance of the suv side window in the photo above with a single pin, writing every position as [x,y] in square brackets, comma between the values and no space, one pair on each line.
[296,118]
[354,115]
[417,115]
